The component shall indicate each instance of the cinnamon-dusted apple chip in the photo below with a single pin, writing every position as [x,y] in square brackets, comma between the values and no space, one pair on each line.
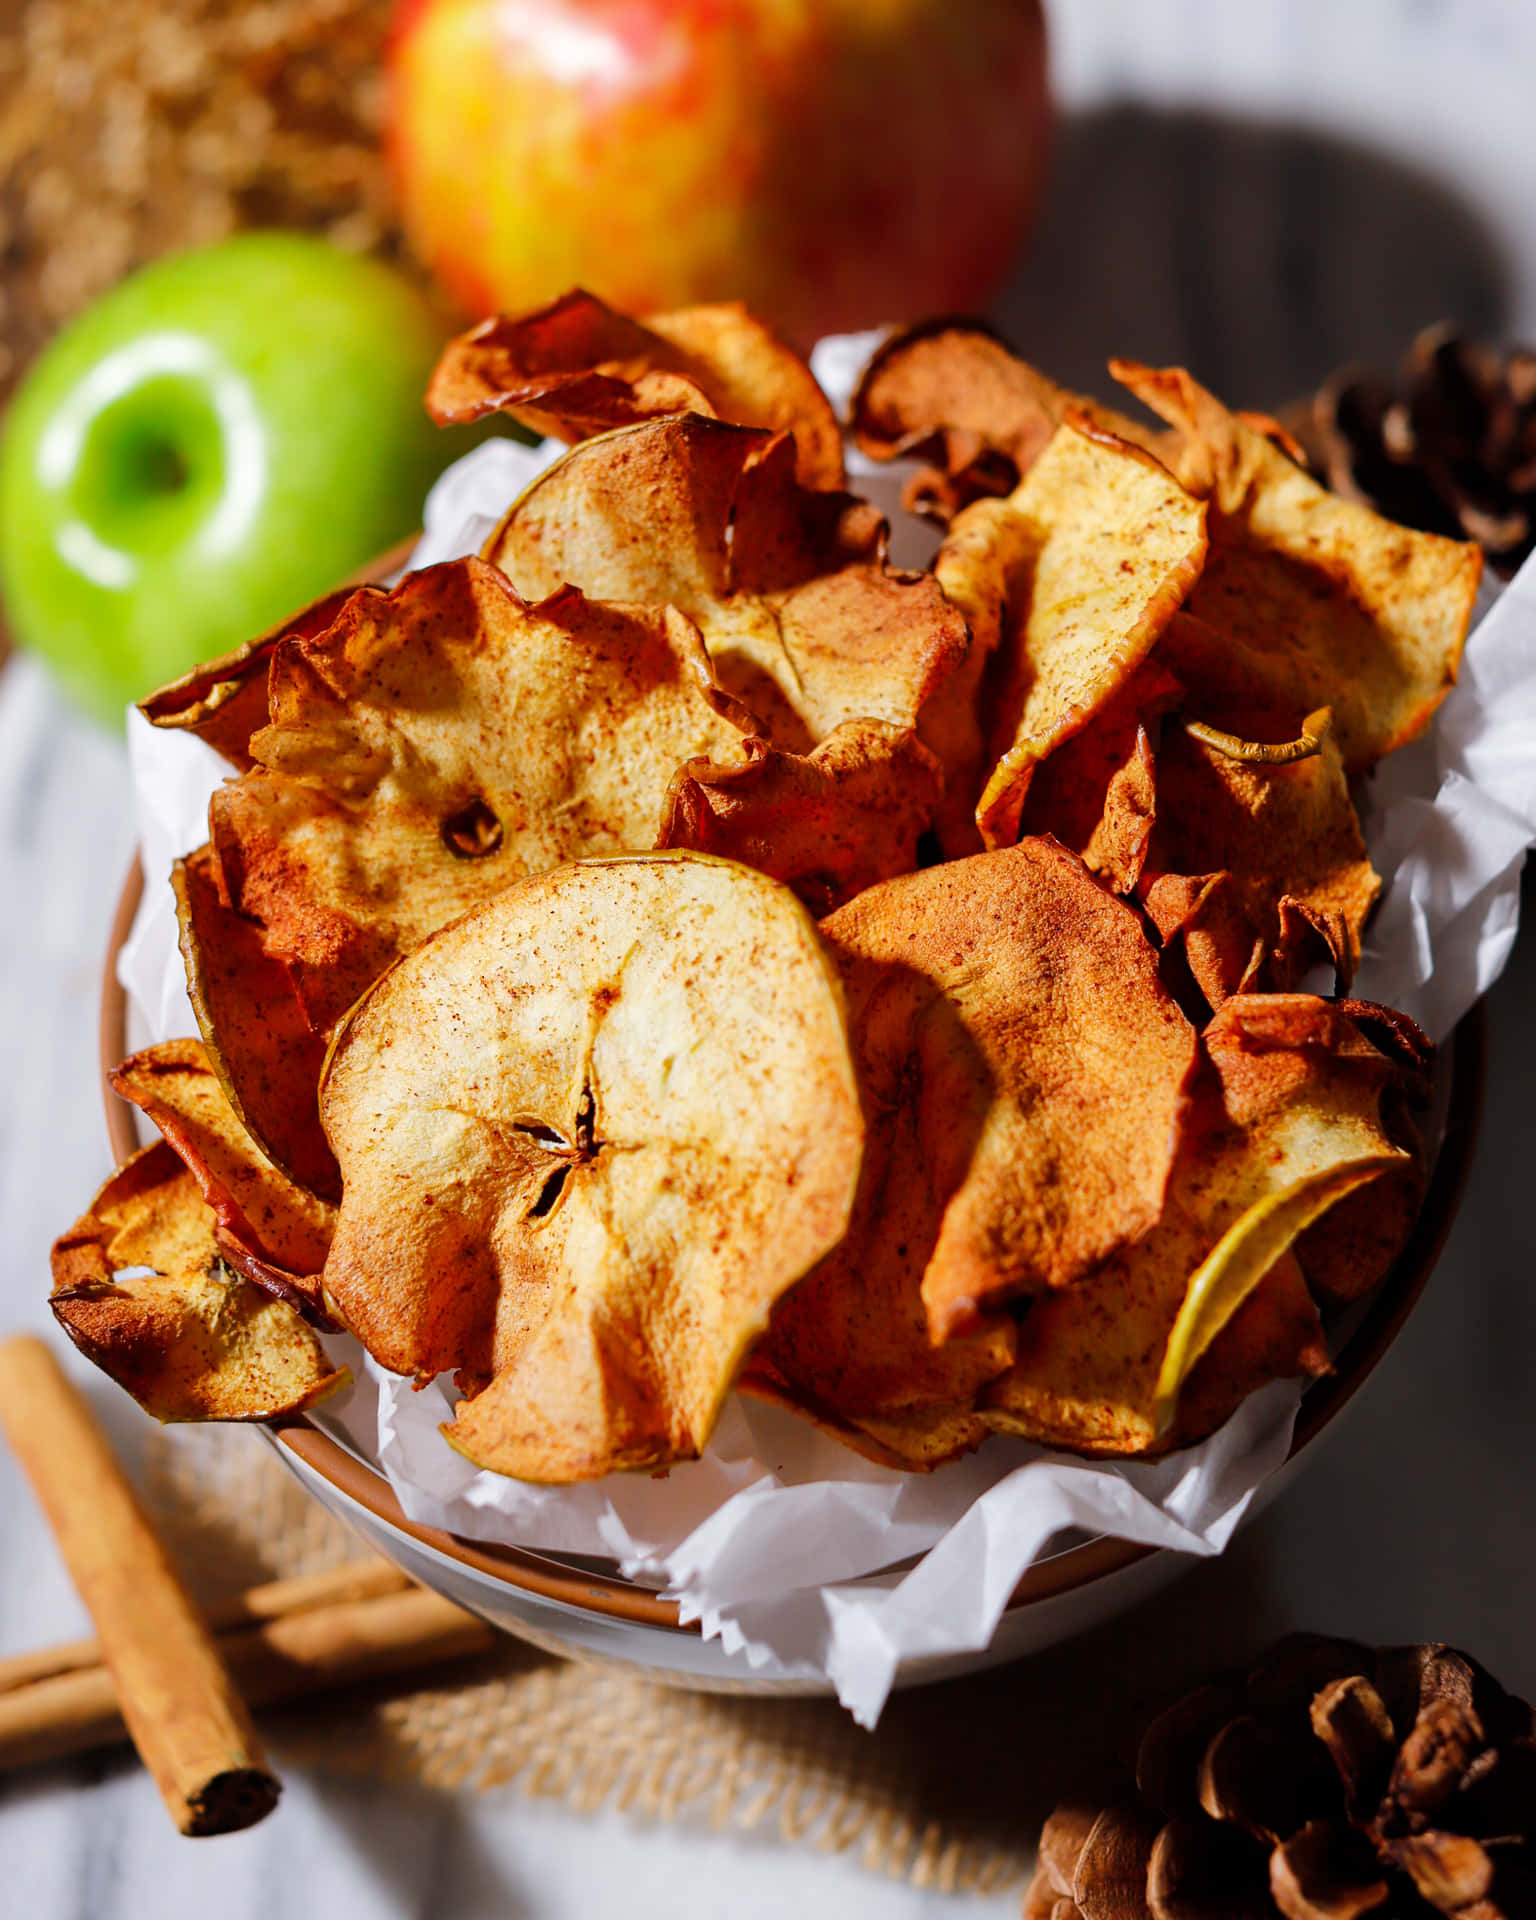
[258,1038]
[828,824]
[141,1287]
[803,619]
[1287,1121]
[1299,886]
[442,740]
[267,1228]
[576,368]
[1355,613]
[952,392]
[589,1134]
[1086,562]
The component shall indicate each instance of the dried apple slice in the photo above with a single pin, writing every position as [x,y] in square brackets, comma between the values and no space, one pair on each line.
[1348,609]
[803,619]
[141,1287]
[1291,1117]
[828,824]
[1086,563]
[442,740]
[258,1038]
[576,368]
[589,1134]
[270,1230]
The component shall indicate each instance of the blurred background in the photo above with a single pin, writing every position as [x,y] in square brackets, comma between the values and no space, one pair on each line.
[1267,193]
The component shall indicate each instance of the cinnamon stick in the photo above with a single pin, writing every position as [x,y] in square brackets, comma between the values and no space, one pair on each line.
[177,1700]
[289,1657]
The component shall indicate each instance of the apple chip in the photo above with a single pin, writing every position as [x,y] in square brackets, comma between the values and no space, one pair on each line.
[828,824]
[1299,882]
[1016,1007]
[953,393]
[257,1036]
[442,740]
[589,1134]
[141,1287]
[224,701]
[1287,1121]
[1086,562]
[1355,613]
[803,619]
[266,1227]
[576,368]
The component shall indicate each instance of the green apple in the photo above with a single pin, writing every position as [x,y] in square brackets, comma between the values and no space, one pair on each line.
[218,441]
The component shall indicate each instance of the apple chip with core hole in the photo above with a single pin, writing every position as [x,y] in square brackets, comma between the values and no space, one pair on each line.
[1354,612]
[1083,566]
[952,392]
[258,1037]
[828,825]
[1015,1007]
[803,619]
[267,1228]
[141,1287]
[576,368]
[589,1134]
[1290,1117]
[442,740]
[1298,883]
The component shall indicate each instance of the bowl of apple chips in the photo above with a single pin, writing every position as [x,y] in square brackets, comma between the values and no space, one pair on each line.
[783,1117]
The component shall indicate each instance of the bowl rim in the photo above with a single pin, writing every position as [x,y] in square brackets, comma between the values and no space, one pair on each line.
[535,1574]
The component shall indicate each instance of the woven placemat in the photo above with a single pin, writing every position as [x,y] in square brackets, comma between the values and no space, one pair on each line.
[939,1796]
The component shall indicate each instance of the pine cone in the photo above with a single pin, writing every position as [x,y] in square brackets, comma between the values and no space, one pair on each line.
[1333,1782]
[1451,448]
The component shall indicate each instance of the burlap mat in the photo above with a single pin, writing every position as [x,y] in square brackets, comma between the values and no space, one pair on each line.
[949,1793]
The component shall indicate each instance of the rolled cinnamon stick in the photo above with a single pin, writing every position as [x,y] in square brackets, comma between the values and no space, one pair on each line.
[177,1699]
[286,1658]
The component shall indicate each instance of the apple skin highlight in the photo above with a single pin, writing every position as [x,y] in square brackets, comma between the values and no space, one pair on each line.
[833,163]
[212,445]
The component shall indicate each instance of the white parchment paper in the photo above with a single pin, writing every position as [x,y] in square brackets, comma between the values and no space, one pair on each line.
[778,1540]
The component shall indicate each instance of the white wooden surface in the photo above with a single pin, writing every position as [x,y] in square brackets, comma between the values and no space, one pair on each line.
[1263,189]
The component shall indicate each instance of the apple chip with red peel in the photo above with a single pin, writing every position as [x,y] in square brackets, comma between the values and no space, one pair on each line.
[828,824]
[272,1231]
[1016,1007]
[224,701]
[1290,1119]
[589,1134]
[1089,559]
[442,740]
[576,368]
[803,619]
[142,1288]
[1356,613]
[952,392]
[257,1035]
[1097,793]
[1300,884]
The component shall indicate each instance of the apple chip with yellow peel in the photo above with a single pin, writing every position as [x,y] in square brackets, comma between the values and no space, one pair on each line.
[952,392]
[270,1230]
[803,619]
[576,368]
[442,740]
[256,1033]
[142,1288]
[589,1134]
[828,824]
[1300,884]
[1090,558]
[1355,612]
[1290,1118]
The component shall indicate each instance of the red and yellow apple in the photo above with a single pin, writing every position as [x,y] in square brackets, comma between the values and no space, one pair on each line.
[834,163]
